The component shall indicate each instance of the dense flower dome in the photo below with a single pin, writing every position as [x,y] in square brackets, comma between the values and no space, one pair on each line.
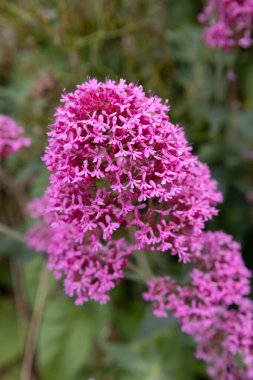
[229,23]
[213,306]
[117,161]
[11,139]
[123,179]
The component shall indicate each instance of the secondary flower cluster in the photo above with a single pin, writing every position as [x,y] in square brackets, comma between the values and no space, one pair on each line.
[118,164]
[228,23]
[90,269]
[10,137]
[213,307]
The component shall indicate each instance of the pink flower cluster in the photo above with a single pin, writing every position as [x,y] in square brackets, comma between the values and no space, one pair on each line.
[10,137]
[90,269]
[229,23]
[213,307]
[118,166]
[249,197]
[118,162]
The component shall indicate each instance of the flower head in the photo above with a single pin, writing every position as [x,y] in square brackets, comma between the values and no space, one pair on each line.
[118,166]
[118,162]
[213,307]
[229,23]
[10,137]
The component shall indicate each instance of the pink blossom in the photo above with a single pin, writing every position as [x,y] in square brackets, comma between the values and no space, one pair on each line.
[89,269]
[10,137]
[228,23]
[231,75]
[213,307]
[117,161]
[249,197]
[118,166]
[249,155]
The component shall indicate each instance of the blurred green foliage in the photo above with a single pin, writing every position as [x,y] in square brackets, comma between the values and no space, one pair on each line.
[47,46]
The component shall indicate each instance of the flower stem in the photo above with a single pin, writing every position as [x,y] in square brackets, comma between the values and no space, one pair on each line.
[144,265]
[144,270]
[136,270]
[5,230]
[32,337]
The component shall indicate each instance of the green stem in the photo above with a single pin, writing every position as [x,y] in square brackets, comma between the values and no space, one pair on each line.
[219,77]
[136,270]
[141,258]
[111,34]
[33,333]
[5,230]
[143,269]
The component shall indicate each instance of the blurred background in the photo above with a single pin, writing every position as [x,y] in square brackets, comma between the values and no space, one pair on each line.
[48,46]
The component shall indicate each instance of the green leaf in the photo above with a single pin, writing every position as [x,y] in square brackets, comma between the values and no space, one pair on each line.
[151,326]
[125,357]
[12,334]
[32,271]
[66,337]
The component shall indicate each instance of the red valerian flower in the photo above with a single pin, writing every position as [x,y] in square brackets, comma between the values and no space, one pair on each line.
[118,161]
[11,139]
[119,167]
[213,307]
[229,23]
